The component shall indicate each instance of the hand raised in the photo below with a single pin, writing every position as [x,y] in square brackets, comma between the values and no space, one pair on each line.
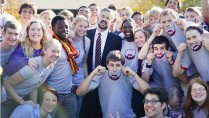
[181,23]
[127,71]
[205,39]
[117,115]
[169,56]
[99,70]
[182,47]
[150,58]
[157,29]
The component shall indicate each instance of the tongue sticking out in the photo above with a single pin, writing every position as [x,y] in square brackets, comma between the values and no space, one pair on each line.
[114,75]
[171,33]
[159,56]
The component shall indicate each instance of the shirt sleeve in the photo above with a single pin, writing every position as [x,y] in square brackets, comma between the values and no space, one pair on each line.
[185,60]
[26,72]
[20,112]
[94,82]
[133,82]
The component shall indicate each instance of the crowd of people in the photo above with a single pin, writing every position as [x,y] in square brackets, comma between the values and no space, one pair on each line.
[105,63]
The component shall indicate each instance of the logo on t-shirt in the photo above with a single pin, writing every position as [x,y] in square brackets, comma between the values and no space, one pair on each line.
[114,75]
[130,54]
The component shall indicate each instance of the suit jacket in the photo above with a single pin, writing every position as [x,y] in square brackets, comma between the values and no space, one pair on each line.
[113,42]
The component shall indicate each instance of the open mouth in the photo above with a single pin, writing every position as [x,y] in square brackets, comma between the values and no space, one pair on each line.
[130,56]
[197,47]
[171,32]
[159,56]
[114,75]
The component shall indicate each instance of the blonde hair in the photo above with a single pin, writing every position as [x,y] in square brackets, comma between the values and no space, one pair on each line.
[26,44]
[154,11]
[168,11]
[48,11]
[79,19]
[67,13]
[128,9]
[50,42]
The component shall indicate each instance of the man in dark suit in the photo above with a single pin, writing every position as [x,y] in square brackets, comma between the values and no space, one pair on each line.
[108,42]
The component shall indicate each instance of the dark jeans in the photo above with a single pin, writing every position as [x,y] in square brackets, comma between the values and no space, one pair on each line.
[137,103]
[67,106]
[90,107]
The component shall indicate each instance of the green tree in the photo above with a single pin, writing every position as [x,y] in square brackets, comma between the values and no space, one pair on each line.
[145,5]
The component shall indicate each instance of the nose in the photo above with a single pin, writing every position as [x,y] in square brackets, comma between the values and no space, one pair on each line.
[191,41]
[114,68]
[159,52]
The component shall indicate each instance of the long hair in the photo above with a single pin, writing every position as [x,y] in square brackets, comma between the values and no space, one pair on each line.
[27,44]
[190,104]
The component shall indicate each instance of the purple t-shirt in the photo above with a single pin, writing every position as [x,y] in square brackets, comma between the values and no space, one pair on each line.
[18,60]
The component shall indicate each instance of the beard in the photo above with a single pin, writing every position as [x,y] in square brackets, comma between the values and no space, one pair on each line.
[171,30]
[197,47]
[100,25]
[159,56]
[114,75]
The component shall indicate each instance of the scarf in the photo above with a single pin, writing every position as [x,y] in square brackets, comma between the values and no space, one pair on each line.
[71,52]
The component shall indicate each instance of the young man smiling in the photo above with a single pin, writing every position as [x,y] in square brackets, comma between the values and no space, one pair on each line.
[155,102]
[115,86]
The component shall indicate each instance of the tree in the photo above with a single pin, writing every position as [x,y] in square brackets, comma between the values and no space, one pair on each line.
[145,5]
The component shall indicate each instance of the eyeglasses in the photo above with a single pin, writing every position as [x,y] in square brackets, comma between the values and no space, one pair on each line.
[198,90]
[152,102]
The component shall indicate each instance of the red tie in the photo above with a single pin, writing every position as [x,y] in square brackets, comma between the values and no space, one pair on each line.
[98,56]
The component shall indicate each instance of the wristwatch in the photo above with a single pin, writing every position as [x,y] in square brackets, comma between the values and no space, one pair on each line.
[148,66]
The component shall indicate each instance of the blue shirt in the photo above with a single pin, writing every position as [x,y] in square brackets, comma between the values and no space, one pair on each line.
[27,111]
[18,59]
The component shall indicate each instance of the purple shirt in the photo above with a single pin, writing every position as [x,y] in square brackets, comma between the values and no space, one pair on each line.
[18,60]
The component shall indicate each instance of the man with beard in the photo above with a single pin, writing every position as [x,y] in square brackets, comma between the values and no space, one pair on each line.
[61,77]
[158,71]
[102,42]
[198,49]
[115,86]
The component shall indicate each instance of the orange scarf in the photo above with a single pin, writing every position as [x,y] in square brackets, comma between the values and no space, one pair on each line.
[71,52]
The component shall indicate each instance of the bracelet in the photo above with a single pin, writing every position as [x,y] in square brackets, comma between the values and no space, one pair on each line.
[148,66]
[19,100]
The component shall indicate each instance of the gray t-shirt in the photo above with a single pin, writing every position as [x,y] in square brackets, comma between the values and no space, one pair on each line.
[3,60]
[115,95]
[79,45]
[32,78]
[130,52]
[4,57]
[161,74]
[200,59]
[61,77]
[200,113]
[175,40]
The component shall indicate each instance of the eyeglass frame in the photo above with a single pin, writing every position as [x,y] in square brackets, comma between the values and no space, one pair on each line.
[201,89]
[152,102]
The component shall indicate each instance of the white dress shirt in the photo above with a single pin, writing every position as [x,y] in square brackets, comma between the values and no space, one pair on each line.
[103,41]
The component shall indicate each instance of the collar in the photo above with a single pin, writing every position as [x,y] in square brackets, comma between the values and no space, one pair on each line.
[104,33]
